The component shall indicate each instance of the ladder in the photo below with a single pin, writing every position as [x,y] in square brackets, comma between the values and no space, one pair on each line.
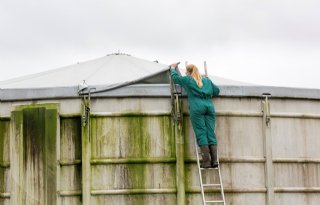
[176,116]
[202,185]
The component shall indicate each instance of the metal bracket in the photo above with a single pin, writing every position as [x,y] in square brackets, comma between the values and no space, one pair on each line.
[266,108]
[177,111]
[86,108]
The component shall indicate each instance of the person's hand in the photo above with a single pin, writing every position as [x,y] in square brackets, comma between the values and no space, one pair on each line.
[173,65]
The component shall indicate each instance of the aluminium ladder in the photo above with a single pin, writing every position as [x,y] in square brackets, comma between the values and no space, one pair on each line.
[202,185]
[176,116]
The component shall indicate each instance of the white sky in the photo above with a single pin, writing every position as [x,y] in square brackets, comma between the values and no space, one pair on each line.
[267,42]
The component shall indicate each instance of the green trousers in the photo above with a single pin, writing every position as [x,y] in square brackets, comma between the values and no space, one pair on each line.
[203,119]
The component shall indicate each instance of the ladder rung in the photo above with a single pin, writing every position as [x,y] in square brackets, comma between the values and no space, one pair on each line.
[214,201]
[208,185]
[208,168]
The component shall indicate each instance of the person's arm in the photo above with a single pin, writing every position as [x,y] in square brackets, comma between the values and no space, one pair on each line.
[176,76]
[216,89]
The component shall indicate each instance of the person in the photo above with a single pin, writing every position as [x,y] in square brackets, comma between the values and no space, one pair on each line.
[200,91]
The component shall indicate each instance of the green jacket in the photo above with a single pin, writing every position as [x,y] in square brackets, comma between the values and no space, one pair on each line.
[207,91]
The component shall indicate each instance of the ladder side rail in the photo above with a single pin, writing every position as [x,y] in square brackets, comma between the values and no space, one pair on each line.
[220,180]
[199,170]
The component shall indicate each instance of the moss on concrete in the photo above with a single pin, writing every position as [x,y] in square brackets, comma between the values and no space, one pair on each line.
[138,179]
[2,136]
[47,106]
[137,175]
[135,130]
[33,136]
[4,139]
[70,135]
[51,154]
[136,138]
[38,147]
[2,180]
[167,130]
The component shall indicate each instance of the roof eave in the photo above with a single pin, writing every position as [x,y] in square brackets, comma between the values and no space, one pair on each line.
[154,90]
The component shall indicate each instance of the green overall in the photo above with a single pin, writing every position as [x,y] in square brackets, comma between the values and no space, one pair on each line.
[202,112]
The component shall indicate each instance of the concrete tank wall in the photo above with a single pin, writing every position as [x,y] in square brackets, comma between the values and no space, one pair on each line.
[129,157]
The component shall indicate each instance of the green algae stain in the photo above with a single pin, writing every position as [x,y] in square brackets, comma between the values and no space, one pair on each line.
[33,134]
[50,153]
[103,134]
[137,179]
[4,152]
[146,137]
[2,179]
[93,135]
[4,140]
[37,127]
[47,106]
[167,130]
[136,176]
[140,135]
[135,135]
[132,139]
[70,135]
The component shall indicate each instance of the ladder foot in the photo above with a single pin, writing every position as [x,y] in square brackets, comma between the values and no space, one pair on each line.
[215,166]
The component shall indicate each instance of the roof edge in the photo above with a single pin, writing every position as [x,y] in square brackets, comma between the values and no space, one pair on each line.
[20,94]
[155,90]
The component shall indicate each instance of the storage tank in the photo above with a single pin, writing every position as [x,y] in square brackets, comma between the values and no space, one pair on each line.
[101,132]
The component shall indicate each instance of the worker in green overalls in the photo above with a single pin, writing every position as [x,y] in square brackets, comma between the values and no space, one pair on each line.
[202,113]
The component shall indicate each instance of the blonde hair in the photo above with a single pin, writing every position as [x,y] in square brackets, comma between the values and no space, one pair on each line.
[194,72]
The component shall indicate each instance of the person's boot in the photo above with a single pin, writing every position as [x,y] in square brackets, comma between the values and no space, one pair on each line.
[213,153]
[205,153]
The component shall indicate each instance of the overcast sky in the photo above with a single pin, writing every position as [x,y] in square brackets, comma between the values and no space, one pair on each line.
[270,42]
